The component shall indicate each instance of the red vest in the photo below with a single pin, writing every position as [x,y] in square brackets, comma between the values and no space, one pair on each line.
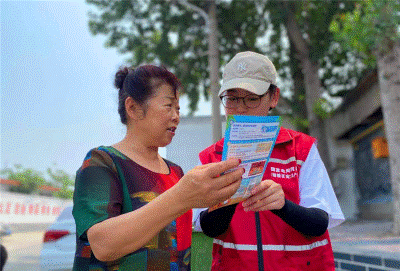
[283,247]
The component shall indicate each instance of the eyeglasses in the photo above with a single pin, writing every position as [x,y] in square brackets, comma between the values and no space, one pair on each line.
[250,101]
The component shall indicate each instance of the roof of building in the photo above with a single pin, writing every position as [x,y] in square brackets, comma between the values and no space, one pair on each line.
[10,182]
[370,77]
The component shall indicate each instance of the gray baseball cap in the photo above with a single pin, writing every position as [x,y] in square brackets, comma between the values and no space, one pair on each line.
[251,71]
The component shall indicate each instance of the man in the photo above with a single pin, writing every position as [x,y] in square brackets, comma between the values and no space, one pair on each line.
[283,224]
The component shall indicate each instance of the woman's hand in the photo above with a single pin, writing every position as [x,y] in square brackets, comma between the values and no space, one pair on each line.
[203,186]
[268,195]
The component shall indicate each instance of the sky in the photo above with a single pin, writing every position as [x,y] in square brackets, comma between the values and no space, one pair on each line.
[57,94]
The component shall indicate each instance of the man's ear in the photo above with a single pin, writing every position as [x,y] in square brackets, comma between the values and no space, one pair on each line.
[134,111]
[275,97]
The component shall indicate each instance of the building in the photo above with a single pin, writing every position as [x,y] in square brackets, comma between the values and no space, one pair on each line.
[360,153]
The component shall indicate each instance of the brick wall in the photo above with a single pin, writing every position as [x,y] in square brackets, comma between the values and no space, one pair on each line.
[359,262]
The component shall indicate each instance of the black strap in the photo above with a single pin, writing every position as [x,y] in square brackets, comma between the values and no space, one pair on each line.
[259,243]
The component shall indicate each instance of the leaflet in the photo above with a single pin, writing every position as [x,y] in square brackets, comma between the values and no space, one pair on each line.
[251,139]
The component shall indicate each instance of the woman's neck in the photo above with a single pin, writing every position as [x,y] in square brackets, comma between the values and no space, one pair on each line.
[144,155]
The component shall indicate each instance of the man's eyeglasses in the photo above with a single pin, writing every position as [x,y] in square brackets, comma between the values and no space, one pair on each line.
[250,101]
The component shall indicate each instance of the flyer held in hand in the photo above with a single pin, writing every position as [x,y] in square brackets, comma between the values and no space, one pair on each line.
[251,139]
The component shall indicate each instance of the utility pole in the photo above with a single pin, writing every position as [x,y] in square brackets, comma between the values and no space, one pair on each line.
[213,62]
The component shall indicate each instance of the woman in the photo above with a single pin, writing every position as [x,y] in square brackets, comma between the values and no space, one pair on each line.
[130,210]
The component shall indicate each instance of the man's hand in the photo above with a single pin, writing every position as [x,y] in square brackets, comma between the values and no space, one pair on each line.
[268,195]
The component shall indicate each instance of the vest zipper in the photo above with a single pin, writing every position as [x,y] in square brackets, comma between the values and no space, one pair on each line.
[259,243]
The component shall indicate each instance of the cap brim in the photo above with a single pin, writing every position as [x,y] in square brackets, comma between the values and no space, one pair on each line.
[255,86]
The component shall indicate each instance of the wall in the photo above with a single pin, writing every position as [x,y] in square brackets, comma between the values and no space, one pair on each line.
[192,136]
[358,109]
[355,112]
[20,208]
[343,177]
[360,262]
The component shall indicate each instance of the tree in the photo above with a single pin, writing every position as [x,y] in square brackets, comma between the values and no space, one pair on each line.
[63,181]
[173,33]
[306,24]
[372,29]
[30,180]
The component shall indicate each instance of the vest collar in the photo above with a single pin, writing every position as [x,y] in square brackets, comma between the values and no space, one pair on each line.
[219,146]
[283,136]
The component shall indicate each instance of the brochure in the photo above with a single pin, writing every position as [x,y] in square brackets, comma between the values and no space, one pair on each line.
[251,139]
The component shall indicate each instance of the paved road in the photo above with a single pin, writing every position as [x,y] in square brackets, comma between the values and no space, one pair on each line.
[23,251]
[370,238]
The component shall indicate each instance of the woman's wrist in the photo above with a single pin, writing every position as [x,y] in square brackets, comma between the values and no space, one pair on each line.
[177,201]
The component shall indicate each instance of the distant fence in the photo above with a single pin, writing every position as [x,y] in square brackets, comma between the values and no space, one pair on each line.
[22,208]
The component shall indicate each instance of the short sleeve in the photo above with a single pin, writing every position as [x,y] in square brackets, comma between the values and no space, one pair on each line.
[97,195]
[316,188]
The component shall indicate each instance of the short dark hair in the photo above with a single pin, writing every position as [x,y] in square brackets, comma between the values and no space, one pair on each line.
[139,83]
[272,88]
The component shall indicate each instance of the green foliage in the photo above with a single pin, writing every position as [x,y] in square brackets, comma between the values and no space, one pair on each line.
[167,32]
[153,31]
[301,124]
[63,181]
[156,32]
[339,69]
[30,180]
[370,29]
[323,108]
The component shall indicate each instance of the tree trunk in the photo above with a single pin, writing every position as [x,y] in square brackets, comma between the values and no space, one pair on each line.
[389,84]
[213,63]
[312,84]
[298,104]
[313,94]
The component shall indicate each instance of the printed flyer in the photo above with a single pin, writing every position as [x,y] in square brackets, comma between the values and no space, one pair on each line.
[251,139]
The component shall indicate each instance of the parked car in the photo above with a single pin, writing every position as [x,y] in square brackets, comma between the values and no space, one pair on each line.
[59,243]
[4,231]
